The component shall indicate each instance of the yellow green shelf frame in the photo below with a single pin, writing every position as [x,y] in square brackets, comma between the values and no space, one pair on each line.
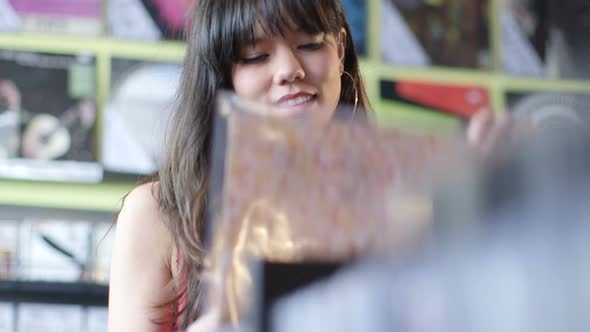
[92,197]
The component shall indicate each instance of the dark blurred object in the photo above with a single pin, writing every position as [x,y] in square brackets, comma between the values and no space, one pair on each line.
[278,280]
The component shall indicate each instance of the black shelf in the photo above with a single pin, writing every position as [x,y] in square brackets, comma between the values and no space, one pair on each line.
[77,293]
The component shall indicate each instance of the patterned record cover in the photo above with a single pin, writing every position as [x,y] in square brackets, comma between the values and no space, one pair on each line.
[298,188]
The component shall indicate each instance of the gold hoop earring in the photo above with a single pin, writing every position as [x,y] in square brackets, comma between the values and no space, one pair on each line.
[356,93]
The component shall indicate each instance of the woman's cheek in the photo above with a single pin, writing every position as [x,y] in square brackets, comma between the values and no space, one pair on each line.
[247,82]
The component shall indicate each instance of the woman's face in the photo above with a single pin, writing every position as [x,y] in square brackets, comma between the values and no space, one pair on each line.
[297,72]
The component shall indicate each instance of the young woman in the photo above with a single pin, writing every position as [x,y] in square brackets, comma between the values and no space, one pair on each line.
[295,54]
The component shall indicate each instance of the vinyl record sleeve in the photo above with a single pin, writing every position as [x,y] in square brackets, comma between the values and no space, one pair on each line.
[446,33]
[460,100]
[291,189]
[48,116]
[137,115]
[545,38]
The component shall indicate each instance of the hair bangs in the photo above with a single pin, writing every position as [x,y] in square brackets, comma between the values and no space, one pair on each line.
[279,18]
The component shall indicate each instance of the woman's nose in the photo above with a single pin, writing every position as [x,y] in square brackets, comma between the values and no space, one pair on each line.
[288,67]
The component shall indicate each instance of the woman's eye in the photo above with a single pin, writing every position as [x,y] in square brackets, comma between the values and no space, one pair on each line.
[312,46]
[254,58]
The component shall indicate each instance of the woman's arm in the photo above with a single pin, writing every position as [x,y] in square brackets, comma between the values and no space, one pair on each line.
[140,278]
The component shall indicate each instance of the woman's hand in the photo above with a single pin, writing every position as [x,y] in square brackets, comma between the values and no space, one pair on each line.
[494,134]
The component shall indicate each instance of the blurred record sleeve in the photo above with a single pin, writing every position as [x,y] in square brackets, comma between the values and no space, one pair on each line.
[293,189]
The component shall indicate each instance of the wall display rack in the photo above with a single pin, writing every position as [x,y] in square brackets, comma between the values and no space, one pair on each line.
[503,67]
[486,69]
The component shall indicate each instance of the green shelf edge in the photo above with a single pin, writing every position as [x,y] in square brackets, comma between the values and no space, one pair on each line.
[163,50]
[93,197]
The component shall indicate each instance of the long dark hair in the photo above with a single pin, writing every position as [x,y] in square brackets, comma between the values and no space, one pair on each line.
[220,29]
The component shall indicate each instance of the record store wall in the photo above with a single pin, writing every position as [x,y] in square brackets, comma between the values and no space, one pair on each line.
[77,130]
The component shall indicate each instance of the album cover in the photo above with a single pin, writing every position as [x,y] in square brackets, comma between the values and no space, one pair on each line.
[54,250]
[33,317]
[448,33]
[7,315]
[357,13]
[552,110]
[8,249]
[150,20]
[460,100]
[75,17]
[48,116]
[136,116]
[546,38]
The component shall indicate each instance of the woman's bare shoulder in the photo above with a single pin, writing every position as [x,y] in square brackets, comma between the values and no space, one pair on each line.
[140,218]
[140,267]
[143,197]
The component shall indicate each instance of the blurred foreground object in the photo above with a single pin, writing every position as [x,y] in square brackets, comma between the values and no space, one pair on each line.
[295,189]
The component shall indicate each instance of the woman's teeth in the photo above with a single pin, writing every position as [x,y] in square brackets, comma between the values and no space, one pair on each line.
[298,100]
